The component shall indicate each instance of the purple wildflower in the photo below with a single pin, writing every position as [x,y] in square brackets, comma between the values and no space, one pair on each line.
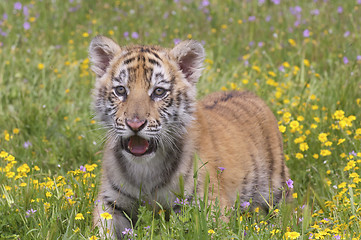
[82,168]
[338,237]
[5,16]
[358,58]
[2,33]
[245,204]
[17,6]
[27,144]
[126,34]
[181,201]
[295,10]
[252,18]
[346,34]
[300,219]
[306,33]
[290,183]
[26,25]
[260,2]
[26,11]
[339,9]
[315,12]
[298,9]
[345,60]
[135,35]
[353,153]
[358,1]
[205,3]
[276,1]
[281,68]
[30,212]
[260,44]
[268,18]
[129,232]
[176,41]
[221,168]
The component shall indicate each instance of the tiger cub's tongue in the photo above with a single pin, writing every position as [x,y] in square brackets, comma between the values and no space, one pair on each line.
[137,145]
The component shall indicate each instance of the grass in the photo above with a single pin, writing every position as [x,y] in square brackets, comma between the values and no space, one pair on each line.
[301,57]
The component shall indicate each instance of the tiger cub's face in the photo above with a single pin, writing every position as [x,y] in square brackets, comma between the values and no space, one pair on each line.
[145,95]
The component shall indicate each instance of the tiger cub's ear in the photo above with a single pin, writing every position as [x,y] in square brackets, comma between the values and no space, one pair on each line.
[101,51]
[189,55]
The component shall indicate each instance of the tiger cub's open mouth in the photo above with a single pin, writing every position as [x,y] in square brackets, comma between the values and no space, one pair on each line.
[138,146]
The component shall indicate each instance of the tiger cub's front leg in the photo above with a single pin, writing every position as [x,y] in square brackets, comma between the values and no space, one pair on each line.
[112,219]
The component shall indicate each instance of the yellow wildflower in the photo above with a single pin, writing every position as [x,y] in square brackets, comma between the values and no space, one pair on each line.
[325,152]
[292,42]
[306,62]
[79,216]
[292,235]
[294,125]
[322,137]
[106,216]
[3,154]
[41,66]
[303,146]
[339,115]
[282,128]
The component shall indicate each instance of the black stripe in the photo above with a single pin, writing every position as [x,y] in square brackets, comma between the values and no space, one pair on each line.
[169,103]
[224,98]
[147,50]
[255,179]
[154,62]
[148,72]
[157,56]
[127,54]
[159,75]
[144,49]
[126,62]
[244,194]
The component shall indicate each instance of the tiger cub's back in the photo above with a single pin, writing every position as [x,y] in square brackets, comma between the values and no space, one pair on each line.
[241,143]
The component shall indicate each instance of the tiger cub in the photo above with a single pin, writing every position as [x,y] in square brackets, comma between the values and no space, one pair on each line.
[146,98]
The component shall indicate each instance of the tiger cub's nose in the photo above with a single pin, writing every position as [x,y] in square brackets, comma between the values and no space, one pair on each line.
[135,124]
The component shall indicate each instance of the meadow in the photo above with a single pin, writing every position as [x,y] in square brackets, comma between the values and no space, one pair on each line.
[302,57]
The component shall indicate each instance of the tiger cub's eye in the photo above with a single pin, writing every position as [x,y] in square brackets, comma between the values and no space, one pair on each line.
[159,92]
[120,91]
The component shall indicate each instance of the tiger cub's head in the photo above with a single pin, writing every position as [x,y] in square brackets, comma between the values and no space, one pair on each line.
[145,95]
